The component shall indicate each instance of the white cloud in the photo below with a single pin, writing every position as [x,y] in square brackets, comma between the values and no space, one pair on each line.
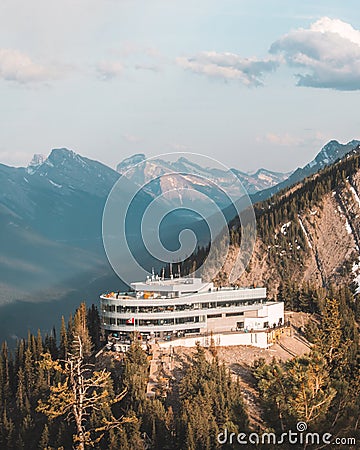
[285,140]
[327,55]
[309,138]
[129,56]
[18,67]
[325,24]
[131,138]
[107,70]
[229,66]
[328,51]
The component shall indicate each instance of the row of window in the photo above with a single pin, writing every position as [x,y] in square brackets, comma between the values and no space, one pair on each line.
[169,308]
[153,322]
[166,321]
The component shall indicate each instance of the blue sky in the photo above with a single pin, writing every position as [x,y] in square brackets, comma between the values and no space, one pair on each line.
[250,83]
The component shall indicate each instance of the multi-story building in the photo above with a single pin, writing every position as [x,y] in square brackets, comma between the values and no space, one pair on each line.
[179,307]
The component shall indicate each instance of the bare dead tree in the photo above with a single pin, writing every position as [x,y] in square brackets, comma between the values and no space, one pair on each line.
[82,391]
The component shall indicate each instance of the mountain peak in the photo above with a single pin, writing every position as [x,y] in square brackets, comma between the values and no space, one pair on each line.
[354,143]
[127,163]
[37,160]
[61,153]
[332,151]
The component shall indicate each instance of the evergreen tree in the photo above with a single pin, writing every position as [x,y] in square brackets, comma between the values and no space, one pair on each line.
[63,351]
[94,326]
[44,440]
[80,330]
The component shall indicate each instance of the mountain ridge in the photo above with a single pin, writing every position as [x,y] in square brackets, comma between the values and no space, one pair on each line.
[328,154]
[309,233]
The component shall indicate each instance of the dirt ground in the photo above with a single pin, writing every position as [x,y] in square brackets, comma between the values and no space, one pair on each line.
[240,358]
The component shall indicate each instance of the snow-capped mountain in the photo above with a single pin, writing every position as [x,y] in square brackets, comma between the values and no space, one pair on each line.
[151,173]
[330,153]
[36,161]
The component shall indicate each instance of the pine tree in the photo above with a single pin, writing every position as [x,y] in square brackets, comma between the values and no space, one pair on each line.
[328,340]
[39,345]
[309,392]
[21,391]
[63,351]
[5,384]
[44,440]
[93,322]
[29,371]
[80,330]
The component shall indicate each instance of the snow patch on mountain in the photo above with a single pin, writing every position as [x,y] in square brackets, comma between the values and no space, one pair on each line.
[36,161]
[356,279]
[284,228]
[305,232]
[352,189]
[348,227]
[55,184]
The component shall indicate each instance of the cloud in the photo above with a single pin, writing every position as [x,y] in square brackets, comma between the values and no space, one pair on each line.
[280,139]
[229,66]
[20,68]
[107,70]
[131,138]
[328,51]
[130,56]
[327,55]
[310,138]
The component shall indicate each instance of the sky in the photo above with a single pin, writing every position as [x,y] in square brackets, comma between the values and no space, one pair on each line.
[251,83]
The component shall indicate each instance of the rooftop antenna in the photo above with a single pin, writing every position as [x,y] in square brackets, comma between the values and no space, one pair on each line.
[171,274]
[152,274]
[163,273]
[179,273]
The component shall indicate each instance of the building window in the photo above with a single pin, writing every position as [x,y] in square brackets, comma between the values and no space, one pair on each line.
[240,325]
[213,316]
[234,314]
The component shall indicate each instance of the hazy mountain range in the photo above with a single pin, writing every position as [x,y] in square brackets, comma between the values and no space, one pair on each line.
[191,175]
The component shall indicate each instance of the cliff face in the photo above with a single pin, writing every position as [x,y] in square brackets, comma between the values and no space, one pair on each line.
[308,233]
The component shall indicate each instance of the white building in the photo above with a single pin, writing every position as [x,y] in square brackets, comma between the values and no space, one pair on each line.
[171,309]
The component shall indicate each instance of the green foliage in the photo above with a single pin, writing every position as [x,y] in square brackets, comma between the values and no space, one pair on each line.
[209,401]
[34,373]
[318,388]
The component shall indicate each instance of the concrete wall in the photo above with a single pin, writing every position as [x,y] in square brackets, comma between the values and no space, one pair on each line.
[258,339]
[270,314]
[253,320]
[223,324]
